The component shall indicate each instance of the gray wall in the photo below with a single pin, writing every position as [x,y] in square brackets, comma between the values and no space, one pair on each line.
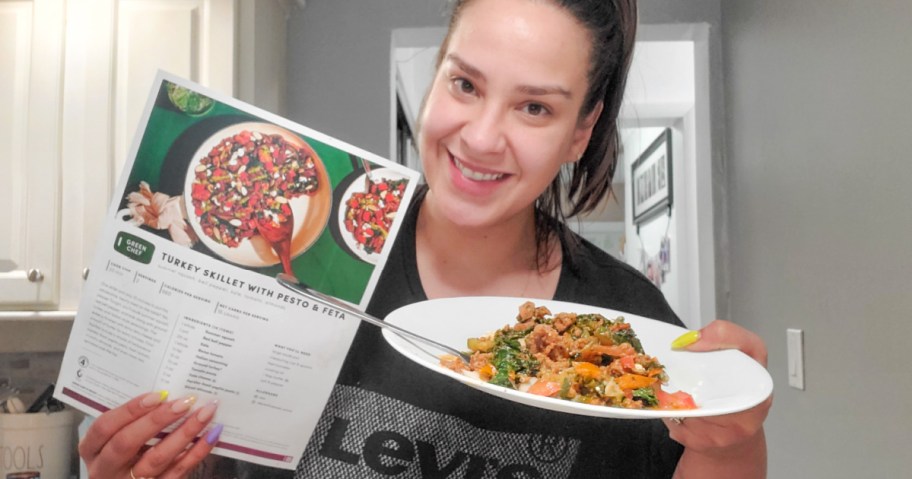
[811,109]
[339,65]
[819,108]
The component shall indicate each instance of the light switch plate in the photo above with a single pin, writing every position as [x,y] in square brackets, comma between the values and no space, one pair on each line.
[795,358]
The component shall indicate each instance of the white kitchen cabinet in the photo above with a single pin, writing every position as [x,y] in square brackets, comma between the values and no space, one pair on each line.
[31,53]
[75,78]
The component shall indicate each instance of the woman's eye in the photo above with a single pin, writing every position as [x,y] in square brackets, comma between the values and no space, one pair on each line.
[536,109]
[464,86]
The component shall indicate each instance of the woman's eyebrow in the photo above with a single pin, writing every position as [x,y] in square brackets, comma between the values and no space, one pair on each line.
[525,89]
[544,90]
[472,71]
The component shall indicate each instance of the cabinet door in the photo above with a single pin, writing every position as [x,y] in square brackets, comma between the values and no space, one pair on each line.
[114,49]
[71,96]
[31,65]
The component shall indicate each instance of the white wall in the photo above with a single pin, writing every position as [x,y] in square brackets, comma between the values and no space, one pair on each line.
[819,109]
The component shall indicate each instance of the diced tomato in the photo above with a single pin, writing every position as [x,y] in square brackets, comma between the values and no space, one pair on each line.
[676,400]
[545,388]
[199,192]
[627,362]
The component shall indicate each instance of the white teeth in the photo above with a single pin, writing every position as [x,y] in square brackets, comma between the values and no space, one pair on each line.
[475,175]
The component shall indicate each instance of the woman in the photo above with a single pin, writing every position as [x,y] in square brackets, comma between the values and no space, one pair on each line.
[524,89]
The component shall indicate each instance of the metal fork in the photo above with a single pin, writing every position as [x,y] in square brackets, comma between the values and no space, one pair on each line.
[293,284]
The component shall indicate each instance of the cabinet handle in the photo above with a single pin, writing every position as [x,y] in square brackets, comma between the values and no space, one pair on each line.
[35,275]
[85,273]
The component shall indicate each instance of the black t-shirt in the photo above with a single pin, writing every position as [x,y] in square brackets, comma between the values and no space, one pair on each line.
[389,417]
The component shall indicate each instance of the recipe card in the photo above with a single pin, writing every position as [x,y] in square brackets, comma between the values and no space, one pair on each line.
[218,197]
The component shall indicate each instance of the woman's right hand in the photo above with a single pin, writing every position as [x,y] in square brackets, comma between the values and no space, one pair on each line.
[114,445]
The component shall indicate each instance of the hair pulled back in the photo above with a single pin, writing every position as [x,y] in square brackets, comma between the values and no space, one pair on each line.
[582,185]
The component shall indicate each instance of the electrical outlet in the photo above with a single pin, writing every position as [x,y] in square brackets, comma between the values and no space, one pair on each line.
[795,339]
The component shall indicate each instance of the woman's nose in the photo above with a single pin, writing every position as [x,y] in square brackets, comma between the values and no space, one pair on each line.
[484,133]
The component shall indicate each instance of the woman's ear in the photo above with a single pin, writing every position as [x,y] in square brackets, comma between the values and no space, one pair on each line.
[584,132]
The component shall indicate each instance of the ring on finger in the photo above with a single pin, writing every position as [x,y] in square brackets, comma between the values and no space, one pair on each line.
[677,420]
[133,476]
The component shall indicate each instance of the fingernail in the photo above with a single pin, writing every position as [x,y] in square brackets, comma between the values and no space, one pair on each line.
[214,434]
[183,405]
[207,411]
[154,398]
[685,340]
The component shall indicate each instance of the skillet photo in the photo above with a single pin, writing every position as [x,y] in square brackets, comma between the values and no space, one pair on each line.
[256,194]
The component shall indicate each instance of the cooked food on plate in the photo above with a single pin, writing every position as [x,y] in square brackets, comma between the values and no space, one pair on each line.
[586,358]
[247,177]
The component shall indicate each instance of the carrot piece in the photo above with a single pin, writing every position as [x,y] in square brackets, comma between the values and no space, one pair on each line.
[633,381]
[486,372]
[586,370]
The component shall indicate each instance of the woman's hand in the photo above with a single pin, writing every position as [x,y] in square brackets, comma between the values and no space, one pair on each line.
[114,446]
[732,445]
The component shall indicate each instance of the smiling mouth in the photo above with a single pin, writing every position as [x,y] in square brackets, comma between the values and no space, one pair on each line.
[475,175]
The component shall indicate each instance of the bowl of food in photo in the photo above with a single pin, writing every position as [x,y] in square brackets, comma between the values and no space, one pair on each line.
[367,207]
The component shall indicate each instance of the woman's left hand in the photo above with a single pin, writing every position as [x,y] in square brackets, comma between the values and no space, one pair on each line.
[721,434]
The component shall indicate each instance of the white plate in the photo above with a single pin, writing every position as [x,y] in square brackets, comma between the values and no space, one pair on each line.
[311,212]
[359,185]
[721,382]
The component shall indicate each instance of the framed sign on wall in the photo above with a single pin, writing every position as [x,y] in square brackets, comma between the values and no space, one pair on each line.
[652,181]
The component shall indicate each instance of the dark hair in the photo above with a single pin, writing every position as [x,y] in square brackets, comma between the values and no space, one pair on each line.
[611,25]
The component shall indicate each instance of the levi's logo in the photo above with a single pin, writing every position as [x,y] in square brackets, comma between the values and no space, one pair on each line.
[369,435]
[390,453]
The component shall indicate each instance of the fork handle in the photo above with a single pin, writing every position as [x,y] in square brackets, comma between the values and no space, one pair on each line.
[293,284]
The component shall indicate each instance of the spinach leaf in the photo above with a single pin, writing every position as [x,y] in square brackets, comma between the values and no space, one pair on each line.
[509,359]
[646,396]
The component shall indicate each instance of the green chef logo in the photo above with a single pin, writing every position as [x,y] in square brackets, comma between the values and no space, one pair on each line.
[134,247]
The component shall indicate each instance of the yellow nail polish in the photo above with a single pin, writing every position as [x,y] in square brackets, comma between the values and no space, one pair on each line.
[153,399]
[685,340]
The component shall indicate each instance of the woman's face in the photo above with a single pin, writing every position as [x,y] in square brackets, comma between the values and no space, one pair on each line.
[502,114]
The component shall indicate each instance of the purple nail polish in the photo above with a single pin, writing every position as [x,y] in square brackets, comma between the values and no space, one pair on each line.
[214,434]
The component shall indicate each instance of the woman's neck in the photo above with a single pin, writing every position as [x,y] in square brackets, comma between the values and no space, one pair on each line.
[494,260]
